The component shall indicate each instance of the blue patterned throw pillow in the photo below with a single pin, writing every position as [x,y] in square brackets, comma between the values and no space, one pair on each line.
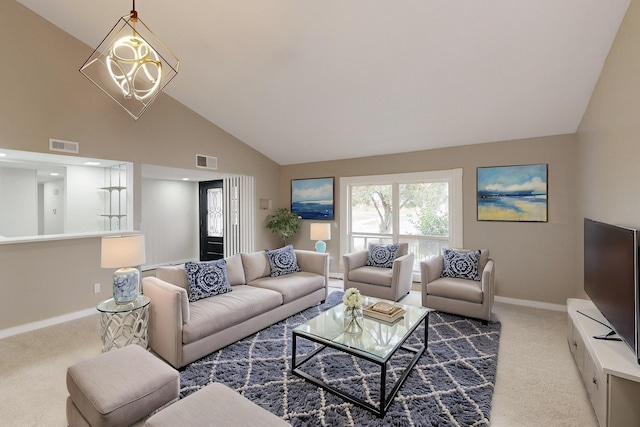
[382,255]
[207,279]
[283,261]
[461,265]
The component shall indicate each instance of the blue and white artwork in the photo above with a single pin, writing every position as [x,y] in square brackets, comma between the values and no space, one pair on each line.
[312,198]
[513,193]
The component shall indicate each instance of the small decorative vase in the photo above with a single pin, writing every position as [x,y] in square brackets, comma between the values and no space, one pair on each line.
[125,285]
[353,320]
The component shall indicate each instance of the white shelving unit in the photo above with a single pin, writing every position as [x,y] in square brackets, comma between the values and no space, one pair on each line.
[115,198]
[610,371]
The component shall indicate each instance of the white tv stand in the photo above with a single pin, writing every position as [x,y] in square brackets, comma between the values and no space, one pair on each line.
[609,369]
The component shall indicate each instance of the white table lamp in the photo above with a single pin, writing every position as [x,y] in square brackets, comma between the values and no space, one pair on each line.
[320,231]
[124,253]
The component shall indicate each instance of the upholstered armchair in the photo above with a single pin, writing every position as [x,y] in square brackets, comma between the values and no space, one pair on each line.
[456,295]
[379,282]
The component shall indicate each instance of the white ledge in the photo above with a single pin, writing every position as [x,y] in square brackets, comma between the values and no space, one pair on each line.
[54,237]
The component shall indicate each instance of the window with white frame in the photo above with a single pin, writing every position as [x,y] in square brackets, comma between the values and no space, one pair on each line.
[423,209]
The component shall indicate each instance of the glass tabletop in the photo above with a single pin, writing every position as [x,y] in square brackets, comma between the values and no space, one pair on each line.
[378,338]
[110,306]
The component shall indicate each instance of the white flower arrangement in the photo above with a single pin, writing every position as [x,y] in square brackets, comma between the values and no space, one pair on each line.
[352,298]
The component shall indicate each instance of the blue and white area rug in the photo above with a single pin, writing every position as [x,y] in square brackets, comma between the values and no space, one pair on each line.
[451,385]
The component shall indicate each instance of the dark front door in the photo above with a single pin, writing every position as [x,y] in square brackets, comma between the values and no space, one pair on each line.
[211,220]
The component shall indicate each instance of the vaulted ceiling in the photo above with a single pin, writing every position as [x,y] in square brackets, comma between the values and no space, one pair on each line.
[311,80]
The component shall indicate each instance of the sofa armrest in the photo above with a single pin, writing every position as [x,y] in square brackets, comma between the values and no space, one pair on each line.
[354,260]
[430,270]
[402,275]
[313,262]
[168,311]
[487,280]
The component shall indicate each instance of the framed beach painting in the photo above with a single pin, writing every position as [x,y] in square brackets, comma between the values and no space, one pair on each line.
[312,198]
[512,193]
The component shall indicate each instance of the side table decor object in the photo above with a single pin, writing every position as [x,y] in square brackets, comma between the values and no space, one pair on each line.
[385,311]
[124,253]
[353,317]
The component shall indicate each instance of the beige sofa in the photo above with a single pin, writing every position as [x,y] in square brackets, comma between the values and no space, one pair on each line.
[181,331]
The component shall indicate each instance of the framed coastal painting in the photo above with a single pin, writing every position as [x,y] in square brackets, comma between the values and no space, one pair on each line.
[512,193]
[312,198]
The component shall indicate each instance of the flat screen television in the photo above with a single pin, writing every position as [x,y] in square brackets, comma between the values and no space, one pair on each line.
[611,277]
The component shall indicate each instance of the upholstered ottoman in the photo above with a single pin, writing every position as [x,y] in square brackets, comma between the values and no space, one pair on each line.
[215,405]
[119,388]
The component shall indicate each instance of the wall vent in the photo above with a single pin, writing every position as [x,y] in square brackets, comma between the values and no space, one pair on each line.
[64,146]
[206,162]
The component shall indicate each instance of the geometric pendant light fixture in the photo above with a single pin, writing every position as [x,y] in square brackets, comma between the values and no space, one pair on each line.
[131,65]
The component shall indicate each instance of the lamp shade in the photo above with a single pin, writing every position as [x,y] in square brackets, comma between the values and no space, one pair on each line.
[122,251]
[320,231]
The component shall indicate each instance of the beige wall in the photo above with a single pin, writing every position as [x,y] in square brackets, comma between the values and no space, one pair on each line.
[609,139]
[44,96]
[534,261]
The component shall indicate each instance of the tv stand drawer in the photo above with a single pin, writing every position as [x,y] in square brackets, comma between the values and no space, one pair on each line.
[608,368]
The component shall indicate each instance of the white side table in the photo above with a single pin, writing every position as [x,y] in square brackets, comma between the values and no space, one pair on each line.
[124,324]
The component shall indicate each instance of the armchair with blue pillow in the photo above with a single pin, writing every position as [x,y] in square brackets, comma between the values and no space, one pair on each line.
[459,282]
[382,271]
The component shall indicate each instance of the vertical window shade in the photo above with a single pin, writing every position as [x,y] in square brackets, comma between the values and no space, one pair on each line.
[239,214]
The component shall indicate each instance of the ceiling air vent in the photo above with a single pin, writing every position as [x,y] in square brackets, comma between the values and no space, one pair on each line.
[64,146]
[206,162]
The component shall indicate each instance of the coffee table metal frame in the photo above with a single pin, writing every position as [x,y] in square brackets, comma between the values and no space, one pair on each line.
[385,401]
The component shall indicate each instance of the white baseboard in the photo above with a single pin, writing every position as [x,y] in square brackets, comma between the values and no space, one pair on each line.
[529,303]
[4,333]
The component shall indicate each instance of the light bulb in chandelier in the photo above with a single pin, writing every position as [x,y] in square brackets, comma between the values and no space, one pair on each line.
[135,67]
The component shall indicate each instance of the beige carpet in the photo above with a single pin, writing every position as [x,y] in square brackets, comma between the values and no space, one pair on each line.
[537,382]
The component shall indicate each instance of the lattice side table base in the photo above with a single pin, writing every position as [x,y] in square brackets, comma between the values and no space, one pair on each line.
[125,328]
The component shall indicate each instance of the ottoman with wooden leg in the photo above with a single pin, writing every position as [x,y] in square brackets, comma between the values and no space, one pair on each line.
[119,388]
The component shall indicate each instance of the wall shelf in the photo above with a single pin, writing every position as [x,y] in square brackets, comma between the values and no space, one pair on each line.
[115,206]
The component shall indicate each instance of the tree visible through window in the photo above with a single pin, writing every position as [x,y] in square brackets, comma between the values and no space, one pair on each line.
[417,211]
[427,209]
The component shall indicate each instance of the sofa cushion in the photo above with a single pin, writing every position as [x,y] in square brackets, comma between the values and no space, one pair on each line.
[459,289]
[282,261]
[210,315]
[382,255]
[461,265]
[374,275]
[291,286]
[256,265]
[207,279]
[235,270]
[403,249]
[174,274]
[484,257]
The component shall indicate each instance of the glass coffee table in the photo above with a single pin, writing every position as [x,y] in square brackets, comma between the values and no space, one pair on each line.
[377,343]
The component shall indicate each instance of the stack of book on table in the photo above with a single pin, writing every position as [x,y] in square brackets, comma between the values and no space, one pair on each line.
[384,311]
